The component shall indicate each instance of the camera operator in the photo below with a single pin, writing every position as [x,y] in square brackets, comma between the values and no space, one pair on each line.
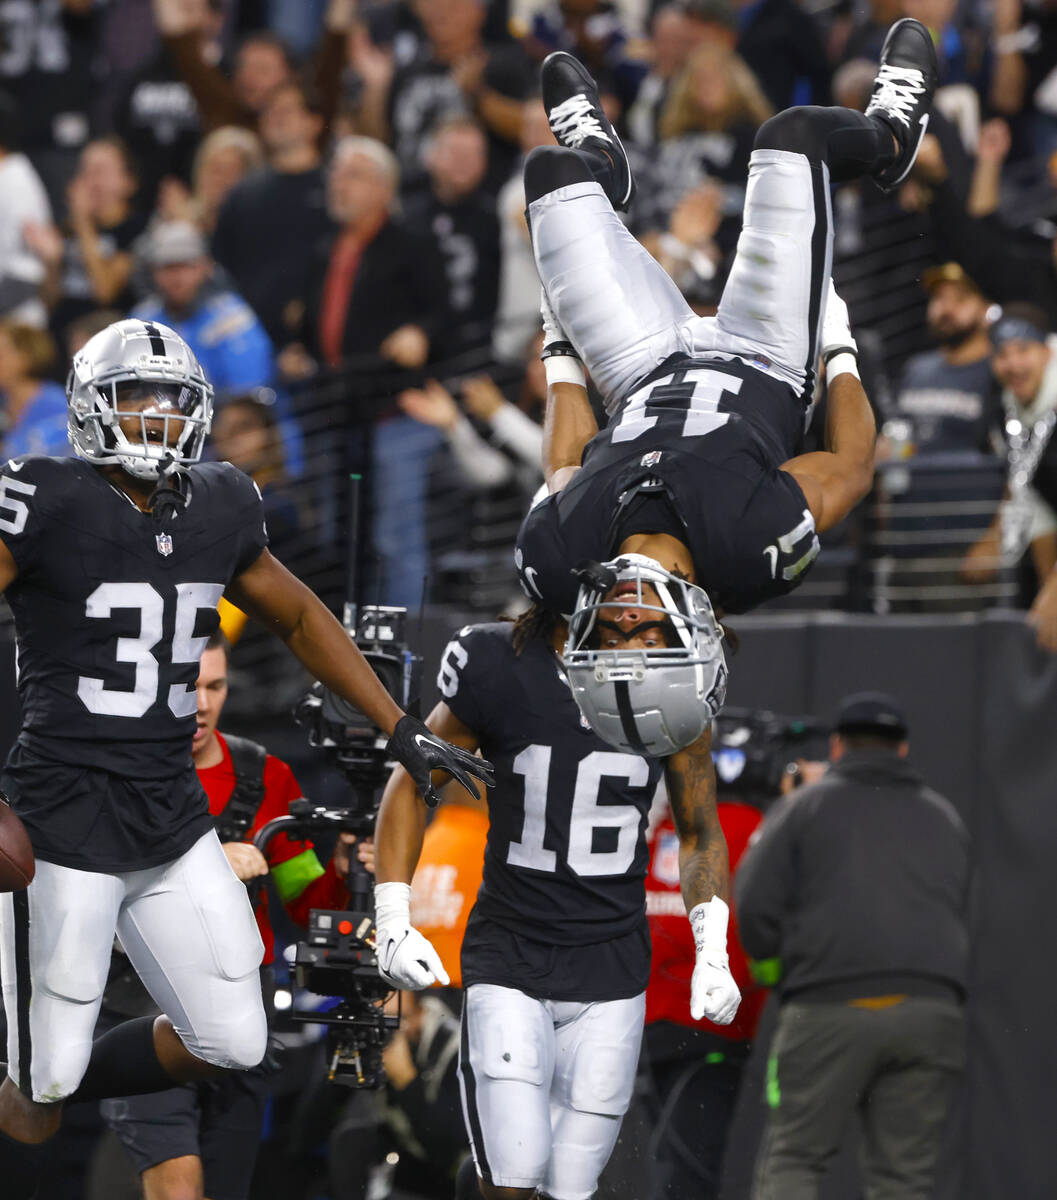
[858,885]
[202,1139]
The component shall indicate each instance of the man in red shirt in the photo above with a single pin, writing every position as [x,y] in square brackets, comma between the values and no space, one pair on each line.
[201,1139]
[696,1066]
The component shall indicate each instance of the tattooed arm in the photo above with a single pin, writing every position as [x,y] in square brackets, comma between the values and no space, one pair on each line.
[704,872]
[704,866]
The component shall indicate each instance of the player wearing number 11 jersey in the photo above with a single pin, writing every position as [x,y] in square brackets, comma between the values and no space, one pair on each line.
[556,955]
[700,466]
[113,563]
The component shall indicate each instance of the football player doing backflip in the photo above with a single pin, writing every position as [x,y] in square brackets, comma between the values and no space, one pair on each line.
[113,562]
[695,497]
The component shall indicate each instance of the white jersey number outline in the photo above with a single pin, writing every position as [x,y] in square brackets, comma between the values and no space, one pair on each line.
[138,651]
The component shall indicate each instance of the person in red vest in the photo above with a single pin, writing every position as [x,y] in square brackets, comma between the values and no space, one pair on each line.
[695,1066]
[202,1139]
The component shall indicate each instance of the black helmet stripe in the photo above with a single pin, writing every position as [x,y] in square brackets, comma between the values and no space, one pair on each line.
[627,716]
[157,342]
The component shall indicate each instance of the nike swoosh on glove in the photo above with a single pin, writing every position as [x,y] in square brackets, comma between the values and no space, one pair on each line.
[713,992]
[406,959]
[419,752]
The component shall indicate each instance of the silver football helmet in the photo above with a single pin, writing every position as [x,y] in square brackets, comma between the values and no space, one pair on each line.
[649,701]
[138,369]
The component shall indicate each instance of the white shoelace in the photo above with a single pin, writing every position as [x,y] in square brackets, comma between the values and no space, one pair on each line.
[897,92]
[574,120]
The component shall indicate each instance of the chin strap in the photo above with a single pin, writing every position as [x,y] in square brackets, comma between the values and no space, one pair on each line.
[171,494]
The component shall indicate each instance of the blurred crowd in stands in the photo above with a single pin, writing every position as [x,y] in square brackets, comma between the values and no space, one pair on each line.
[324,199]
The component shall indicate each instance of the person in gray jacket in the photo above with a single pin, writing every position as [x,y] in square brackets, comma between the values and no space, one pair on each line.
[852,899]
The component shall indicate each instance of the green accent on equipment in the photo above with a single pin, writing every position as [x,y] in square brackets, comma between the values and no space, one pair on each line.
[293,876]
[766,971]
[716,1056]
[773,1091]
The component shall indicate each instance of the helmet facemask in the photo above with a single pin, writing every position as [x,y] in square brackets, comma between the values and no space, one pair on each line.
[144,376]
[653,700]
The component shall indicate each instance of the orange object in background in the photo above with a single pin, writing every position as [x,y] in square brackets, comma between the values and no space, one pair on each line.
[445,884]
[232,620]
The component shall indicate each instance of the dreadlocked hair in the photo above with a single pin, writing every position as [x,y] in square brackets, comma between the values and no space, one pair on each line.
[536,623]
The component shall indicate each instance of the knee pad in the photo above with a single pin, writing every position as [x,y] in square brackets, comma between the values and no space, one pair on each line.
[237,1045]
[603,1080]
[548,168]
[797,130]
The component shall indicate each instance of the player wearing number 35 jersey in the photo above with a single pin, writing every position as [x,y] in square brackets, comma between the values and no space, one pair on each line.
[700,467]
[113,563]
[556,955]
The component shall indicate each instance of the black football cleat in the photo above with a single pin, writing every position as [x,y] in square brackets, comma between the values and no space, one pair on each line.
[577,119]
[902,94]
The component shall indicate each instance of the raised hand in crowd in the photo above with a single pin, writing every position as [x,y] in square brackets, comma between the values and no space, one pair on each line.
[407,346]
[431,404]
[481,397]
[1042,616]
[177,17]
[174,202]
[992,147]
[44,240]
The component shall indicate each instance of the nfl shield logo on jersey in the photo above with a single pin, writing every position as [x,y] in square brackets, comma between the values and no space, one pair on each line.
[650,459]
[164,542]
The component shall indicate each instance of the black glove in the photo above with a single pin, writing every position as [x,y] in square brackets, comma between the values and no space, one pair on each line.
[419,752]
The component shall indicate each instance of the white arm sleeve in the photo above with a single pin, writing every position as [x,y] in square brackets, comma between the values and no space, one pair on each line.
[520,433]
[483,465]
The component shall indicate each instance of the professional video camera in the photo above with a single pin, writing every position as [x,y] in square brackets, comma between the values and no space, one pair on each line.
[337,958]
[754,748]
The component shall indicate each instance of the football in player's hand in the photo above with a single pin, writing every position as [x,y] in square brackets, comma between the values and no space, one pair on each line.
[16,854]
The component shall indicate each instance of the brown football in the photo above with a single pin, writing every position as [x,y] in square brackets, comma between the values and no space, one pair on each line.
[16,854]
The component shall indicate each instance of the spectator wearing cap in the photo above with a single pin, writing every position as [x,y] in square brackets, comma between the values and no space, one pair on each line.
[949,393]
[1025,367]
[219,326]
[853,897]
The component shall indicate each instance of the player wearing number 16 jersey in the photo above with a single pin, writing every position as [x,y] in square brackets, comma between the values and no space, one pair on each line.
[113,563]
[556,955]
[700,467]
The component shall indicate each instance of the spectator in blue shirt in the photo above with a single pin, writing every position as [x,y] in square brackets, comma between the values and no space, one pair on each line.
[219,326]
[33,410]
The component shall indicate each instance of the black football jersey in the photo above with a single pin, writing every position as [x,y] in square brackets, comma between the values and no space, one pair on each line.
[113,609]
[566,857]
[694,452]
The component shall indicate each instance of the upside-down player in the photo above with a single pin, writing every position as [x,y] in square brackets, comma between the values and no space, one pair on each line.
[699,467]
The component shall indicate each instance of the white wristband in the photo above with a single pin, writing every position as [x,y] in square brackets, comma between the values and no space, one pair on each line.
[564,368]
[843,363]
[709,924]
[392,902]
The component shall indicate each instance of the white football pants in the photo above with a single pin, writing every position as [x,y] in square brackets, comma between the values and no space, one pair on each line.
[545,1084]
[186,926]
[625,316]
